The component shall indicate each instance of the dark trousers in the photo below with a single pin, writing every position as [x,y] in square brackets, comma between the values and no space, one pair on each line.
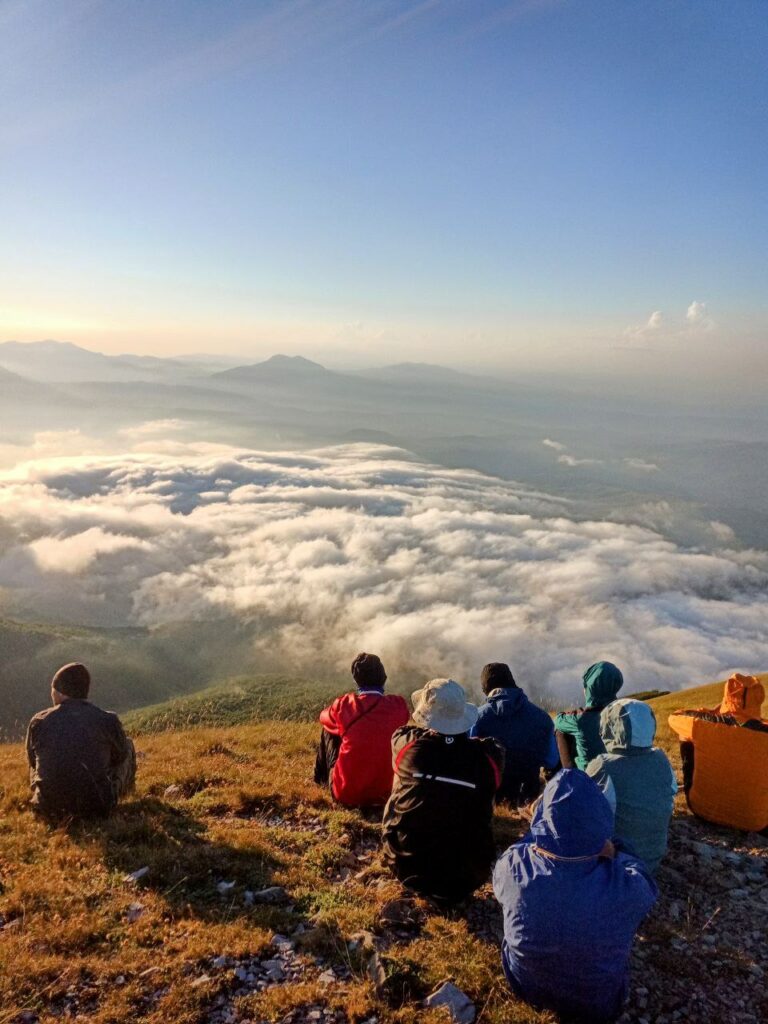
[124,774]
[327,755]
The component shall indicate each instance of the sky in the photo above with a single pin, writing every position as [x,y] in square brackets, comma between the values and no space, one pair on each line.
[528,184]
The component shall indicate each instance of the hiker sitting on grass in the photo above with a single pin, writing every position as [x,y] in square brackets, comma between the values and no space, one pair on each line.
[724,752]
[524,730]
[437,833]
[572,903]
[578,731]
[636,778]
[80,760]
[353,755]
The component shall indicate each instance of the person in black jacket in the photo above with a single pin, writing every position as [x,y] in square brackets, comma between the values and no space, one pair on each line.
[437,832]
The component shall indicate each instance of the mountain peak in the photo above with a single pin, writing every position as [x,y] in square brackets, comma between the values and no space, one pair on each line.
[277,369]
[295,363]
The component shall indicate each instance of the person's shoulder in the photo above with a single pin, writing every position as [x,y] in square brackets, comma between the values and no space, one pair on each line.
[534,711]
[600,763]
[568,717]
[342,701]
[488,745]
[41,716]
[109,719]
[407,734]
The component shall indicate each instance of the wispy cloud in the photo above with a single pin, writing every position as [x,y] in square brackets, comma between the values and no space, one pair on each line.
[642,464]
[572,460]
[549,443]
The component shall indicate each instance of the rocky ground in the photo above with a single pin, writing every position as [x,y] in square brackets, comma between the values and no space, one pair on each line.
[701,956]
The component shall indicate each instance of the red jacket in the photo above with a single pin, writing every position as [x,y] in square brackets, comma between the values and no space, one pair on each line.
[364,721]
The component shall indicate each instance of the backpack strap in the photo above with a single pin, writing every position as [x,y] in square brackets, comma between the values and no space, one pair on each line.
[362,715]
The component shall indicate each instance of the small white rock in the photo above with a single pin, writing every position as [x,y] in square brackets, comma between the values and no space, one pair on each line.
[136,876]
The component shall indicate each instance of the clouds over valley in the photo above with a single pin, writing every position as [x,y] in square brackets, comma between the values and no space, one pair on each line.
[326,552]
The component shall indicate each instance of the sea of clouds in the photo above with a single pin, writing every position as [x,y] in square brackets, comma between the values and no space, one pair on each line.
[332,551]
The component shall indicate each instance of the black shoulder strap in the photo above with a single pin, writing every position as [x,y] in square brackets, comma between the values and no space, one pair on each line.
[363,714]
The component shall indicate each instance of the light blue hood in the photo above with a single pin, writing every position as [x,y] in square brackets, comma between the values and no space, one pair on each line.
[627,724]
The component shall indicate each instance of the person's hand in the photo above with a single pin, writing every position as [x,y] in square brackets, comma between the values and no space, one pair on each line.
[608,851]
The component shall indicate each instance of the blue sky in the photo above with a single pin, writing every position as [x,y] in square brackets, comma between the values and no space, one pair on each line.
[502,183]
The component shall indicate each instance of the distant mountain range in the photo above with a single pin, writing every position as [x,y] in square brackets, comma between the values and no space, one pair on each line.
[60,362]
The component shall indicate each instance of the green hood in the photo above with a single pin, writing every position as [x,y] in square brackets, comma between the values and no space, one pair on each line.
[626,724]
[602,682]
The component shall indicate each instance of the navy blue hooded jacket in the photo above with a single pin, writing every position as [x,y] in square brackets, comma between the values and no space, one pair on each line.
[570,915]
[528,736]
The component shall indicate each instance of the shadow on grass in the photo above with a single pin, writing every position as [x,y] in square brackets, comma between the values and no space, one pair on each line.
[185,865]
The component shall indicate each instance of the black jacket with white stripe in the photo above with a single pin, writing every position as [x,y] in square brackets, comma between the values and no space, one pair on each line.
[437,823]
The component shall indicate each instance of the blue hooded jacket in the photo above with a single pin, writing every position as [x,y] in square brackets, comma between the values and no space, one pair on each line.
[570,915]
[528,737]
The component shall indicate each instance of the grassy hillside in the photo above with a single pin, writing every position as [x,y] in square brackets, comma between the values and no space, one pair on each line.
[131,668]
[223,813]
[284,698]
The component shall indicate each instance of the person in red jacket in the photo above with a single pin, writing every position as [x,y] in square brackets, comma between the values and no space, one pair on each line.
[354,754]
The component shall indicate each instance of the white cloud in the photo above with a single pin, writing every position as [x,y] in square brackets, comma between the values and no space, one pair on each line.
[328,552]
[76,552]
[642,464]
[698,318]
[558,447]
[651,327]
[571,460]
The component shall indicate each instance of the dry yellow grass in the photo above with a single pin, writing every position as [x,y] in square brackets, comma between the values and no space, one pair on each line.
[246,813]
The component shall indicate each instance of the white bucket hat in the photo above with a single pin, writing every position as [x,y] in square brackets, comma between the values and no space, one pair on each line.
[442,705]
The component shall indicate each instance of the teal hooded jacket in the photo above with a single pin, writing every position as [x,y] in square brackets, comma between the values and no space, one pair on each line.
[636,778]
[602,681]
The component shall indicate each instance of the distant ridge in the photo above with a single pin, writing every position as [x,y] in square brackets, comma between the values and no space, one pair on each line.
[277,369]
[420,371]
[62,362]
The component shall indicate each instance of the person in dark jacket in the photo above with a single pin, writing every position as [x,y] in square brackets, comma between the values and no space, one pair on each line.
[525,731]
[578,731]
[437,834]
[572,901]
[80,760]
[353,756]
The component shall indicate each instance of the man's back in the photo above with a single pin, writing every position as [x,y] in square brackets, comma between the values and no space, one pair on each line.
[364,723]
[73,749]
[527,734]
[438,819]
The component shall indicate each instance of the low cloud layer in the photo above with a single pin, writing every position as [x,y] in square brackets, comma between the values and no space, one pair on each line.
[361,547]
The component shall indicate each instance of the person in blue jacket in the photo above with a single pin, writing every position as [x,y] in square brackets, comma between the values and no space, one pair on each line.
[572,900]
[523,729]
[636,777]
